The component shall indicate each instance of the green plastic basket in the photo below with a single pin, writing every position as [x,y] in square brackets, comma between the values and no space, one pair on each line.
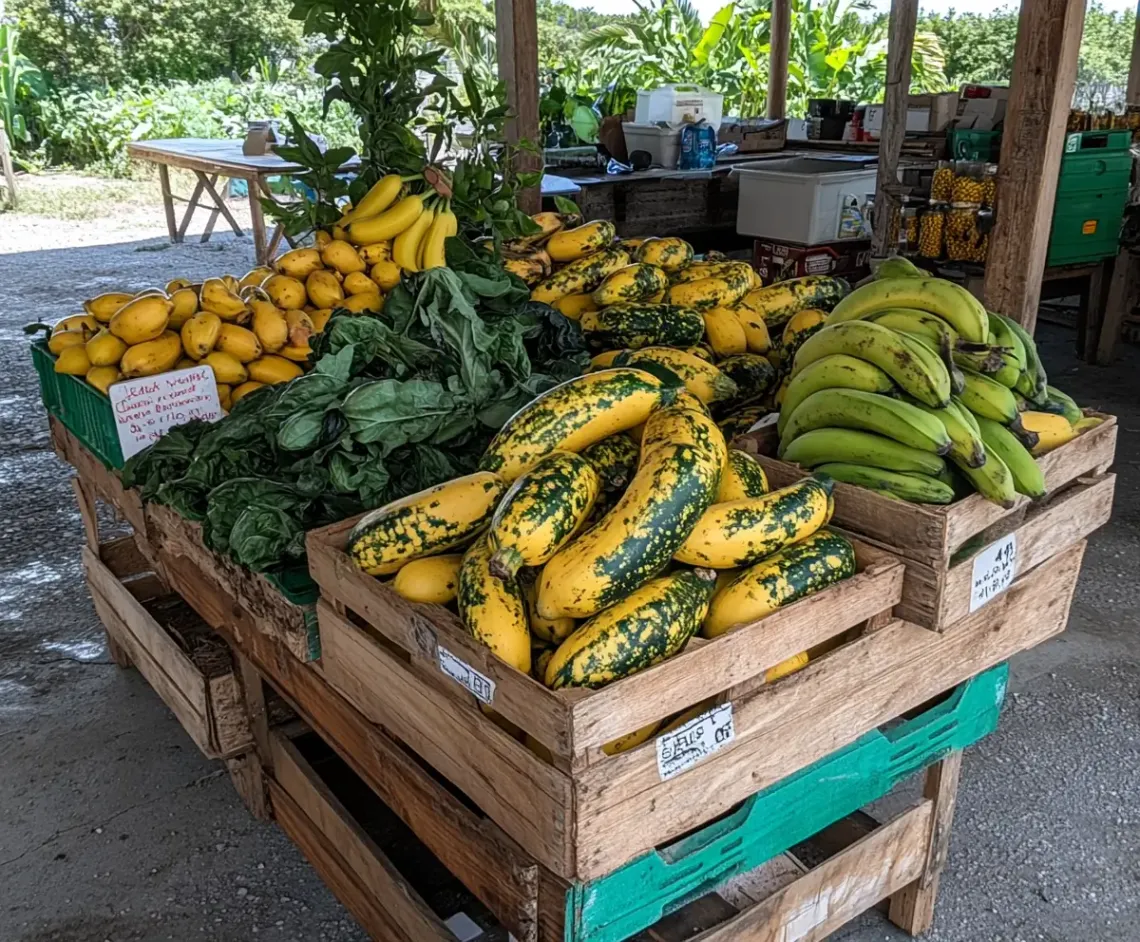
[81,407]
[637,895]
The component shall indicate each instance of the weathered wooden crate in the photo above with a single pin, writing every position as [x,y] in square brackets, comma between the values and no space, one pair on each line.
[657,203]
[949,548]
[185,663]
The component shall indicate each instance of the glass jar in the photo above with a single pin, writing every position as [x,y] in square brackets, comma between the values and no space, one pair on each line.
[967,187]
[989,186]
[958,227]
[930,230]
[908,235]
[942,183]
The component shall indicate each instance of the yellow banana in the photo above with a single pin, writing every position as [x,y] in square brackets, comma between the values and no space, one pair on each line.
[382,195]
[386,225]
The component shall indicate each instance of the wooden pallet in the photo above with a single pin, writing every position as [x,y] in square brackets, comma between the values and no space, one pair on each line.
[940,544]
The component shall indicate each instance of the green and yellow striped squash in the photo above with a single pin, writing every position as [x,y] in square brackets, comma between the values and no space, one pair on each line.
[581,276]
[695,271]
[552,631]
[753,374]
[743,477]
[723,290]
[670,254]
[650,624]
[433,579]
[539,659]
[676,481]
[615,460]
[685,422]
[566,245]
[541,512]
[741,420]
[642,325]
[631,740]
[778,302]
[795,572]
[741,532]
[700,377]
[629,285]
[424,524]
[572,416]
[799,327]
[493,609]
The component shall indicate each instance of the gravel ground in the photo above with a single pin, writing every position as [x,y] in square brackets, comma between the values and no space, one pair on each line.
[116,829]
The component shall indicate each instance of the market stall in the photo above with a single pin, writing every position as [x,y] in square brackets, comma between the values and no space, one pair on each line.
[542,581]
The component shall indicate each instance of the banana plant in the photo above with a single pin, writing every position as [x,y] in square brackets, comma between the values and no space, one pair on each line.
[21,81]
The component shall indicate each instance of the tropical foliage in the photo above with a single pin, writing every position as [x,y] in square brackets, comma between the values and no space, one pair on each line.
[21,84]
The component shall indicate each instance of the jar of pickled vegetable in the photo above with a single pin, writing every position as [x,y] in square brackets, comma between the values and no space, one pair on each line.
[967,186]
[930,231]
[959,229]
[989,186]
[942,183]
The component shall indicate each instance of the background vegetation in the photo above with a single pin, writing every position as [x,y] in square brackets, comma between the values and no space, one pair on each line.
[79,79]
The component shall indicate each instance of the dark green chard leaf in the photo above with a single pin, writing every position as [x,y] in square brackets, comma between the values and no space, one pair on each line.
[393,413]
[263,537]
[301,431]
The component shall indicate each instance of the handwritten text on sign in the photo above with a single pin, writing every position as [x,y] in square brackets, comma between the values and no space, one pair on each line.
[994,569]
[464,674]
[148,407]
[689,744]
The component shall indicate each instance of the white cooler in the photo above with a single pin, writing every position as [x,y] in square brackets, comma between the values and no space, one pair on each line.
[808,200]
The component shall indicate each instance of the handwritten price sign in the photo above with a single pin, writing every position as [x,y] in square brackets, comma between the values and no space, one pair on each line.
[148,407]
[696,740]
[994,569]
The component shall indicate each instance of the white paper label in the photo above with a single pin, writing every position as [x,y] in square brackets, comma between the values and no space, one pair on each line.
[696,740]
[770,419]
[148,407]
[994,569]
[466,675]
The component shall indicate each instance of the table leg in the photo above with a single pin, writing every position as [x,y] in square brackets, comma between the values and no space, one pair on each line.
[168,202]
[257,220]
[190,207]
[1101,348]
[220,203]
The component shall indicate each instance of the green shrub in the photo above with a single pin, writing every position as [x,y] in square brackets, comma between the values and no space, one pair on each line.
[91,129]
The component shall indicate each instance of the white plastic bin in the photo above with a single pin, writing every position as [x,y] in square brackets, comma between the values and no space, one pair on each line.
[672,103]
[808,200]
[662,144]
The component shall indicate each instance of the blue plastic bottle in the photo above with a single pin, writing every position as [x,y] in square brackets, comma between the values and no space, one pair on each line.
[698,146]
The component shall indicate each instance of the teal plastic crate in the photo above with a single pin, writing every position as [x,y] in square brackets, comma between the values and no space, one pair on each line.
[298,587]
[635,896]
[81,407]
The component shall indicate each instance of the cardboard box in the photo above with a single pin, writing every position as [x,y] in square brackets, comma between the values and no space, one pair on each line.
[925,114]
[779,261]
[753,136]
[981,107]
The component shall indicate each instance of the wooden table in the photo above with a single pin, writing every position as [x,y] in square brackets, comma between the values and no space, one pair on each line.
[209,160]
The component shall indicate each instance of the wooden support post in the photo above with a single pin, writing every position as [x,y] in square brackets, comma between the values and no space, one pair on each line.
[1132,93]
[1100,348]
[516,38]
[888,194]
[1040,92]
[912,907]
[780,31]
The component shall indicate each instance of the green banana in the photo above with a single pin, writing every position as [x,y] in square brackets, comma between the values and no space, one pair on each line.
[987,397]
[966,444]
[1027,476]
[993,480]
[914,321]
[949,301]
[927,351]
[831,372]
[852,446]
[915,488]
[927,379]
[1002,336]
[1033,381]
[1065,403]
[968,416]
[981,358]
[852,408]
[898,267]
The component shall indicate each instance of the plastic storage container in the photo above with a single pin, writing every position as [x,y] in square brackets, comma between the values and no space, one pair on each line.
[1092,191]
[662,144]
[674,104]
[802,199]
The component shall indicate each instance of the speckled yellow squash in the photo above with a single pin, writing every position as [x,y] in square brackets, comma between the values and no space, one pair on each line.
[615,459]
[433,579]
[740,532]
[552,631]
[493,609]
[670,254]
[636,282]
[423,524]
[797,662]
[793,573]
[572,416]
[700,377]
[677,480]
[642,325]
[722,290]
[631,740]
[724,331]
[649,625]
[743,477]
[541,512]
[581,276]
[566,245]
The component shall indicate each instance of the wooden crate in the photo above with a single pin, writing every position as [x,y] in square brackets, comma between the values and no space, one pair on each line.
[192,673]
[253,599]
[940,544]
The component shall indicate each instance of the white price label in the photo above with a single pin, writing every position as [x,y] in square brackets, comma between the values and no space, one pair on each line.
[770,419]
[696,740]
[994,569]
[466,676]
[148,407]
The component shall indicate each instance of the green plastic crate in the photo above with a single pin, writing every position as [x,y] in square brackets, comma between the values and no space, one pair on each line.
[968,144]
[298,587]
[1092,191]
[635,896]
[81,407]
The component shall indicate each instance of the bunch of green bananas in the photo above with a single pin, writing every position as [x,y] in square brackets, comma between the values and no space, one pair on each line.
[912,370]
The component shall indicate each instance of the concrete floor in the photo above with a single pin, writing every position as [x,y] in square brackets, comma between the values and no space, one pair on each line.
[112,827]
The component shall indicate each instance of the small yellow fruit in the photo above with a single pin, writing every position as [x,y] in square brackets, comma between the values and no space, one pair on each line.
[185,364]
[386,274]
[340,233]
[73,361]
[200,333]
[359,303]
[299,354]
[65,339]
[217,297]
[319,319]
[105,349]
[184,303]
[356,283]
[375,253]
[231,283]
[269,325]
[177,284]
[224,393]
[239,342]
[272,369]
[105,305]
[101,377]
[227,369]
[142,319]
[284,291]
[254,277]
[324,289]
[298,263]
[343,257]
[151,292]
[84,323]
[244,390]
[152,356]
